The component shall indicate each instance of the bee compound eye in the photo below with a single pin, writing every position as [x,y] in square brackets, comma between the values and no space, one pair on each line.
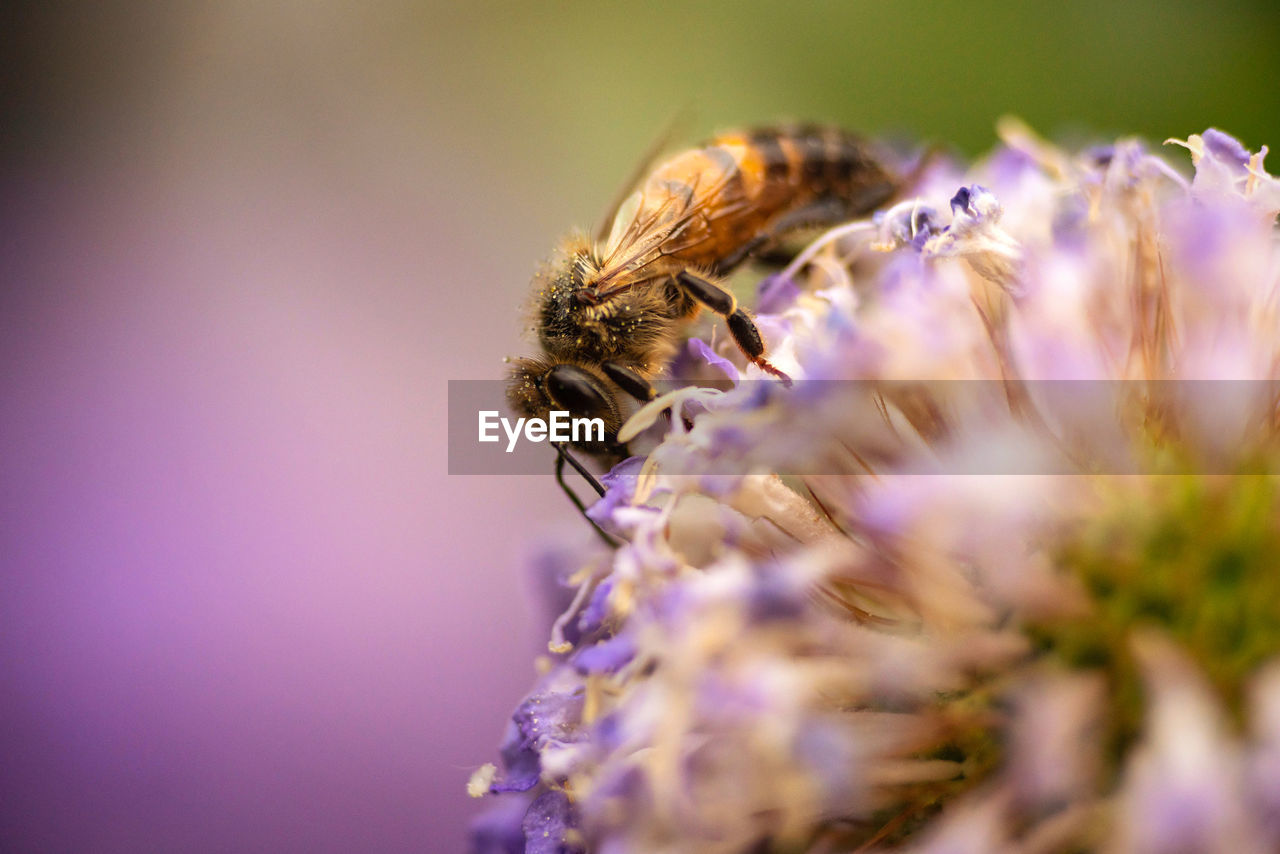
[578,392]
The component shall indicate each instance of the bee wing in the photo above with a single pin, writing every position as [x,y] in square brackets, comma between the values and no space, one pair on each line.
[644,233]
[644,165]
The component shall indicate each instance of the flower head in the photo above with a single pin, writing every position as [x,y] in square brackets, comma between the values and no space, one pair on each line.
[997,573]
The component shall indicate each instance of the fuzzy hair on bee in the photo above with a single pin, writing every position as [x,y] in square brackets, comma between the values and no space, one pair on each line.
[638,327]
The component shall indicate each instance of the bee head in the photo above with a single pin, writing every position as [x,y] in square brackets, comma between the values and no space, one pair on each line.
[536,387]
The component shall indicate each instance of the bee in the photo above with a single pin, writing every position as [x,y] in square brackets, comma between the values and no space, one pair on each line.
[610,311]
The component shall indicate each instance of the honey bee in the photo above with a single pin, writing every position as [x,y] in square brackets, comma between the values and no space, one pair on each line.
[610,311]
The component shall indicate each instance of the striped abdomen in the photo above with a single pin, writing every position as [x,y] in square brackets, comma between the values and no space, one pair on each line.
[743,188]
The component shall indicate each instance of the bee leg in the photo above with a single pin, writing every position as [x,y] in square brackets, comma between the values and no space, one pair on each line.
[636,386]
[827,210]
[774,257]
[745,333]
[731,261]
[823,211]
[747,337]
[561,456]
[707,292]
[629,381]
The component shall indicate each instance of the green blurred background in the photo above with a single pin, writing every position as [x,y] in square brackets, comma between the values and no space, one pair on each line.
[245,245]
[588,76]
[579,88]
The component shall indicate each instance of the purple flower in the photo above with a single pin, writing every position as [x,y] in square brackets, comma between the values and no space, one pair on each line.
[979,580]
[1226,172]
[974,203]
[910,223]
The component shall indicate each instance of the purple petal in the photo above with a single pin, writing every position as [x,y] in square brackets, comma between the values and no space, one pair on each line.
[551,565]
[623,472]
[619,484]
[547,823]
[597,610]
[699,347]
[520,762]
[605,657]
[776,597]
[550,716]
[924,224]
[1225,147]
[1070,222]
[1100,155]
[830,752]
[608,732]
[960,201]
[500,829]
[909,223]
[976,203]
[1009,167]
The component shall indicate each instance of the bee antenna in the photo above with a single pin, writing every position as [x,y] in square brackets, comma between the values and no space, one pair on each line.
[580,469]
[562,456]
